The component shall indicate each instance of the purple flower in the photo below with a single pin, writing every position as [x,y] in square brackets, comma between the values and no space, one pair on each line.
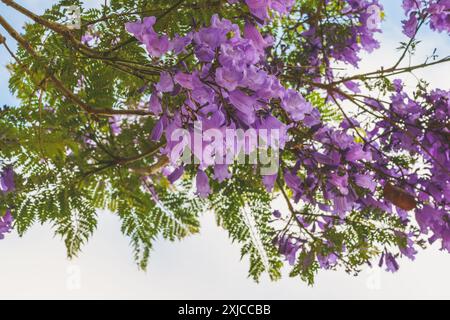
[398,85]
[352,86]
[252,33]
[221,172]
[409,5]
[349,124]
[155,106]
[204,53]
[340,182]
[259,8]
[294,183]
[295,105]
[410,25]
[269,182]
[185,80]
[342,205]
[139,29]
[5,224]
[180,43]
[238,53]
[87,38]
[288,247]
[176,175]
[156,45]
[407,249]
[211,37]
[271,88]
[436,220]
[276,214]
[114,123]
[244,104]
[369,43]
[283,7]
[356,153]
[366,181]
[327,262]
[235,86]
[158,130]
[391,263]
[203,188]
[258,80]
[229,78]
[165,83]
[440,16]
[7,183]
[332,159]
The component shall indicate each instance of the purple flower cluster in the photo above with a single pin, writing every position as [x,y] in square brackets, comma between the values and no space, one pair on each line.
[422,129]
[343,41]
[7,180]
[288,246]
[231,89]
[437,12]
[156,45]
[390,261]
[7,185]
[334,164]
[335,170]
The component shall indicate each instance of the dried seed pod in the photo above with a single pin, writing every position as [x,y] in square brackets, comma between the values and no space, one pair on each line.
[399,197]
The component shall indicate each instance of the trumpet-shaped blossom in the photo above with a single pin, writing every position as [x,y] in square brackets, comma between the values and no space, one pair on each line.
[5,224]
[7,183]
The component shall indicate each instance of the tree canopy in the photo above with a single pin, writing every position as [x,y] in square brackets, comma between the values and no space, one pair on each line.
[362,164]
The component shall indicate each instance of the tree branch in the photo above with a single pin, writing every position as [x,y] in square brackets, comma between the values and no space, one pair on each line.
[60,86]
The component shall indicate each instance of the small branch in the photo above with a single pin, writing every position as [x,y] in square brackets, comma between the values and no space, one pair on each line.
[124,161]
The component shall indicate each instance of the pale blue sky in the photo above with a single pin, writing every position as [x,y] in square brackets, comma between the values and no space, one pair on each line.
[207,265]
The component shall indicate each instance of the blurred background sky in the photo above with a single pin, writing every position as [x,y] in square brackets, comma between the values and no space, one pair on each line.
[205,266]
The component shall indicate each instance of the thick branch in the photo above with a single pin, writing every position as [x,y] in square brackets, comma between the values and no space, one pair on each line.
[58,83]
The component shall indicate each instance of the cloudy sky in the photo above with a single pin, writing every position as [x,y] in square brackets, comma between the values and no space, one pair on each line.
[206,266]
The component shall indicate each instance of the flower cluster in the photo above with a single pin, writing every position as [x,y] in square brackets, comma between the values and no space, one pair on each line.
[348,173]
[334,169]
[422,129]
[341,39]
[365,16]
[230,90]
[437,12]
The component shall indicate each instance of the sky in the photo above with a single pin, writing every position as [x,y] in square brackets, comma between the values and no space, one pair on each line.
[208,265]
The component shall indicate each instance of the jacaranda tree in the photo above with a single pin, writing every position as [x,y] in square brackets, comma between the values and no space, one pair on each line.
[362,164]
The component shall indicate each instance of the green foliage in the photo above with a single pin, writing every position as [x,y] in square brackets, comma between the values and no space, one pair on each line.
[243,208]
